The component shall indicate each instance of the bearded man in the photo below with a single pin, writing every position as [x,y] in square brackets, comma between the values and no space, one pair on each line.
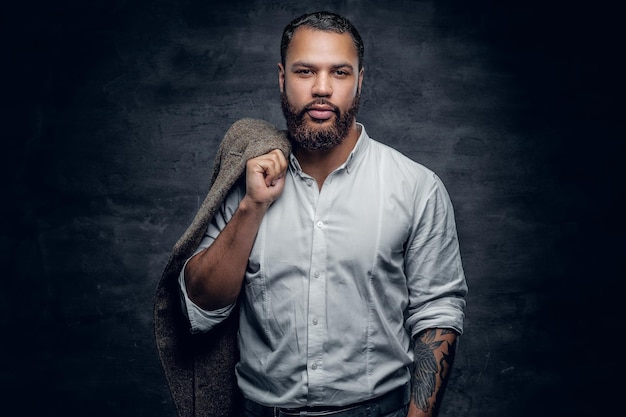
[342,257]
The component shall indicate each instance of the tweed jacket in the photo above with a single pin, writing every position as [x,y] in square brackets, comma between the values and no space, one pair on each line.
[199,368]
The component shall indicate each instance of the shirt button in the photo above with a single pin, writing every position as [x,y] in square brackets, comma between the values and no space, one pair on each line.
[316,274]
[315,322]
[314,366]
[320,224]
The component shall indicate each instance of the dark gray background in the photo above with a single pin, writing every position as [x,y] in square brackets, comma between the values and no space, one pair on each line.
[113,112]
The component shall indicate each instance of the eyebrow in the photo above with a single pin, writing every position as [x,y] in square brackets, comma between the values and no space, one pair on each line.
[309,65]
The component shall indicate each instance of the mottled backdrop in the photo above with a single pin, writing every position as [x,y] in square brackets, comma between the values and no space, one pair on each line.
[113,112]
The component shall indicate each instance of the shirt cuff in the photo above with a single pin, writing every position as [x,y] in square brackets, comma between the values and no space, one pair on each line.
[200,320]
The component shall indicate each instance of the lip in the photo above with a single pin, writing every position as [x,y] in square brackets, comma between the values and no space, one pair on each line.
[321,112]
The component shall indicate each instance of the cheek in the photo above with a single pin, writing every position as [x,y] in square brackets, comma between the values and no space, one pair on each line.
[347,96]
[297,93]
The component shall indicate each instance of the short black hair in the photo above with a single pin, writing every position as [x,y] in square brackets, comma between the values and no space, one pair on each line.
[326,21]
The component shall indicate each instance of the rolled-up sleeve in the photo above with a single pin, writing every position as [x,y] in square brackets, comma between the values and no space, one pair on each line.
[436,280]
[204,320]
[200,320]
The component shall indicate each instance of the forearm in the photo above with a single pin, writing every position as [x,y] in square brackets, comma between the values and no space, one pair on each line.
[434,355]
[214,276]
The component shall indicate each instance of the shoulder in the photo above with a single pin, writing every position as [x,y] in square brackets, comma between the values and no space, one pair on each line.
[249,138]
[400,166]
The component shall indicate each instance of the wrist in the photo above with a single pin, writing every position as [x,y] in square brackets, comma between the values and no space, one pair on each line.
[252,207]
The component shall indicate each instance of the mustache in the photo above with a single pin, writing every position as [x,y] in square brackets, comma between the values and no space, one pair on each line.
[320,102]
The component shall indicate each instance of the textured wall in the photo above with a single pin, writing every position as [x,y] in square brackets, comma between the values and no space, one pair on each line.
[114,110]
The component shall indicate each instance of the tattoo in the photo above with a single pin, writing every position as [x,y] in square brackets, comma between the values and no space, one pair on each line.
[426,368]
[424,374]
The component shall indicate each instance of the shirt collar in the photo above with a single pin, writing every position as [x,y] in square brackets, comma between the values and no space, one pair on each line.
[358,150]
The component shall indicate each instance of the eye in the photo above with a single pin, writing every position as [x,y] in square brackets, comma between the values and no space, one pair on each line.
[303,71]
[341,73]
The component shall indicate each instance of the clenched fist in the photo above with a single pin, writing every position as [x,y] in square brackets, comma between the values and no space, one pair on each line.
[265,178]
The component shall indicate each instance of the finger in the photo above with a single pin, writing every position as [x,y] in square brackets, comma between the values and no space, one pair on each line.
[281,164]
[272,166]
[278,165]
[273,174]
[266,167]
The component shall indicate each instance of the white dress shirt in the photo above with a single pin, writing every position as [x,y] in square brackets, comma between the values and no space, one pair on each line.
[339,280]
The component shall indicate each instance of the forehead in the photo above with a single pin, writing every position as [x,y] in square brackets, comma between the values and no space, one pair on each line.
[313,45]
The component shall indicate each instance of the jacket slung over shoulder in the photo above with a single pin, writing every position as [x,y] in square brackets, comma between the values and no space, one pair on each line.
[199,369]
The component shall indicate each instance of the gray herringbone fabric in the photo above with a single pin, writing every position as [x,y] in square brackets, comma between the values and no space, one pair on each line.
[200,368]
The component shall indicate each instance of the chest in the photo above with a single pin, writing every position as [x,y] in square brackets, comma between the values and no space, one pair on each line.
[354,220]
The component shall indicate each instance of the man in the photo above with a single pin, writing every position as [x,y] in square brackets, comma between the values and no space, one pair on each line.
[344,255]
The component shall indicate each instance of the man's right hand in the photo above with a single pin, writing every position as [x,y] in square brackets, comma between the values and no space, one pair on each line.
[265,178]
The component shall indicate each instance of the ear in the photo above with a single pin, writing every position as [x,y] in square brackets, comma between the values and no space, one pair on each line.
[281,77]
[361,78]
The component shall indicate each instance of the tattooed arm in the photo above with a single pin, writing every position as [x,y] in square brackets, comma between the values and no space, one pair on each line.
[434,354]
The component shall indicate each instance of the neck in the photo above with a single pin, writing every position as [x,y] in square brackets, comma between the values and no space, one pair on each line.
[320,163]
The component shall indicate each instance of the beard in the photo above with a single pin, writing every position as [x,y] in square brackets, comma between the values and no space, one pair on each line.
[314,138]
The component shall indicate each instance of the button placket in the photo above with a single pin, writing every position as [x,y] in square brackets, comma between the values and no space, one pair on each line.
[317,294]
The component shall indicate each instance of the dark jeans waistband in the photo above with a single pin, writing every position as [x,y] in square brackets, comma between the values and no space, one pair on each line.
[382,405]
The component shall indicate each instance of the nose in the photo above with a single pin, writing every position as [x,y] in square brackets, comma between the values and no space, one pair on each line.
[322,86]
